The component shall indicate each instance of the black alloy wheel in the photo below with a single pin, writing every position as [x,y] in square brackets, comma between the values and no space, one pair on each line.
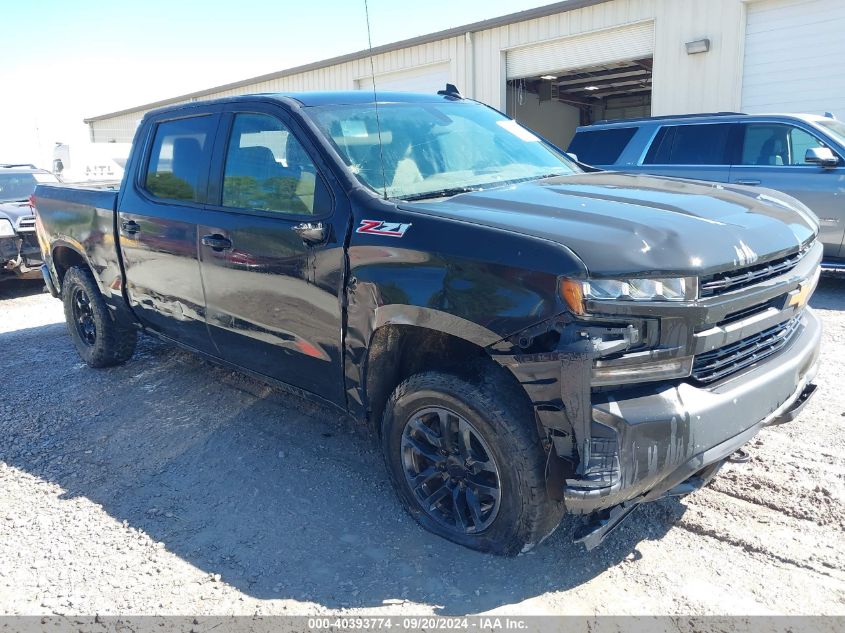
[451,470]
[83,316]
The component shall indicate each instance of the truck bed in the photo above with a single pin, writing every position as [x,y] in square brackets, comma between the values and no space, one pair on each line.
[76,219]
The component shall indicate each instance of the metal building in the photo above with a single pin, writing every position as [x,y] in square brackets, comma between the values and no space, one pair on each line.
[578,61]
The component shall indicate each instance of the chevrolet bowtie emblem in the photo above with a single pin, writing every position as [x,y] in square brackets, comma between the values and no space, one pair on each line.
[802,295]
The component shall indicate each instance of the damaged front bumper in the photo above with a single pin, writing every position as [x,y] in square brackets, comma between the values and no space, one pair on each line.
[670,440]
[20,256]
[655,439]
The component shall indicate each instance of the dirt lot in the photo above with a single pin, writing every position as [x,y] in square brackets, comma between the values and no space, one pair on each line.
[172,486]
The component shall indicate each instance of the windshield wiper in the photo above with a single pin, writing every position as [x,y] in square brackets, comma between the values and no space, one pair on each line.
[440,193]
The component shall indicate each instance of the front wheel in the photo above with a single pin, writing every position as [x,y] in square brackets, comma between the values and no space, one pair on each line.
[97,338]
[467,463]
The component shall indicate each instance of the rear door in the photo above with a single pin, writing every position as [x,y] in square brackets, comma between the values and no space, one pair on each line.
[699,151]
[772,156]
[159,210]
[271,250]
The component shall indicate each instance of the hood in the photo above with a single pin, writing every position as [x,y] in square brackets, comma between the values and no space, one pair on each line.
[14,211]
[621,224]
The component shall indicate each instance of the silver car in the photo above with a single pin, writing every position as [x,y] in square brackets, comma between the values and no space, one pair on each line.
[798,154]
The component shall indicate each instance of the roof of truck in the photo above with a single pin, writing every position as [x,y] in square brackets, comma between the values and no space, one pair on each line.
[355,97]
[309,99]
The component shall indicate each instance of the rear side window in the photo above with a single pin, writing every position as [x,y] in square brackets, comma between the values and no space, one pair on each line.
[180,151]
[601,147]
[690,145]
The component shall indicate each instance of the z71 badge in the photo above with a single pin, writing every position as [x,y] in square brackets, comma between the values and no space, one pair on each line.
[380,227]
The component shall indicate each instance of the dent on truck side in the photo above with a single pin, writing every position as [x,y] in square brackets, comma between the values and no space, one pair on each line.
[78,223]
[482,286]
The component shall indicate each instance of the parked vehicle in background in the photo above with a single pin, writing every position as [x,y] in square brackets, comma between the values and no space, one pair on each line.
[90,162]
[20,255]
[800,154]
[520,341]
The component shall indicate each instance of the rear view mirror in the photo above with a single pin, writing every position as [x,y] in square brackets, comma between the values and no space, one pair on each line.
[821,156]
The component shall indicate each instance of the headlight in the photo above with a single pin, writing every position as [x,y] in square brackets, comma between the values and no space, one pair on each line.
[6,228]
[575,291]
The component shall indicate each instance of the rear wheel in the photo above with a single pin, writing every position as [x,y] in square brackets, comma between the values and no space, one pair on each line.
[97,338]
[467,463]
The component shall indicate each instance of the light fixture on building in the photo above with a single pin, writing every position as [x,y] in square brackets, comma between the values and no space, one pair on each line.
[591,88]
[548,77]
[698,46]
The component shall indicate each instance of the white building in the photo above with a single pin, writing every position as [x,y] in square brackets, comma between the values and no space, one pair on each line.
[579,61]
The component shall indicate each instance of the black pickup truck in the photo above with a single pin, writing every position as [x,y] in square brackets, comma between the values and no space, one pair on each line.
[524,338]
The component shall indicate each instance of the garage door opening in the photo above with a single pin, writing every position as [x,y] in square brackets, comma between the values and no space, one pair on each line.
[555,103]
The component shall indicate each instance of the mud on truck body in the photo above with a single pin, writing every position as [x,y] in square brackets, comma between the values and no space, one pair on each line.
[525,339]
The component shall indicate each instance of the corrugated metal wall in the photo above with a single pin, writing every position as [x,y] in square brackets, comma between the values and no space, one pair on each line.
[804,76]
[477,62]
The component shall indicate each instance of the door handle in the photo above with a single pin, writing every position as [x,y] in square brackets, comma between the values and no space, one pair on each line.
[311,232]
[130,226]
[750,183]
[217,242]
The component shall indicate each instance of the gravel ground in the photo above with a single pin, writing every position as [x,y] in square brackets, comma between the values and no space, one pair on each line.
[171,486]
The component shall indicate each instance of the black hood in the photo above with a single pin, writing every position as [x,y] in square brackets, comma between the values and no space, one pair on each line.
[623,224]
[14,211]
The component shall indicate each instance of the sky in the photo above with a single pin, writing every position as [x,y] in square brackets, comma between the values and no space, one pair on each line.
[64,60]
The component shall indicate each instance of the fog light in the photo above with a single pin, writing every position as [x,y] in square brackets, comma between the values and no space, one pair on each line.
[644,372]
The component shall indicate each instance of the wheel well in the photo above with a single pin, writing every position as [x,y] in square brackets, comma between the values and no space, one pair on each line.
[65,258]
[397,352]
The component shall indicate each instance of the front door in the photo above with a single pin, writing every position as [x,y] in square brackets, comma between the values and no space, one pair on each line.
[157,224]
[274,216]
[773,156]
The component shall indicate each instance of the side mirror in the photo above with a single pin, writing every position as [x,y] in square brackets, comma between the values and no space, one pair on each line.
[572,156]
[821,156]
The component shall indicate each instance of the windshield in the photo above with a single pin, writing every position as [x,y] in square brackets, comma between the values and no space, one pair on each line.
[435,149]
[20,186]
[835,128]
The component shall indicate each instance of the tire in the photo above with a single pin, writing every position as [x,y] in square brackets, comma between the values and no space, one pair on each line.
[497,423]
[99,341]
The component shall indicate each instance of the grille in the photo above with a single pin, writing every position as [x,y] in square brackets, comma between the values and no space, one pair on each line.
[736,279]
[726,360]
[26,224]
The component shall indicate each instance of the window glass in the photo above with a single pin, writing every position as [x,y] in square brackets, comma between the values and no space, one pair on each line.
[799,142]
[690,145]
[180,149]
[425,150]
[601,147]
[18,186]
[776,144]
[267,168]
[835,128]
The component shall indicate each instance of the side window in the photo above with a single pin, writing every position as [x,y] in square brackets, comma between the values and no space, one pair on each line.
[799,142]
[776,144]
[180,149]
[601,147]
[704,144]
[267,168]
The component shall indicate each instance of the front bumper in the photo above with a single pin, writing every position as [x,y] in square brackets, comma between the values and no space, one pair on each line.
[653,439]
[20,256]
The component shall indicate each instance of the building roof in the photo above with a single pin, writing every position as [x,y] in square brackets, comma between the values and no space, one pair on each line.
[511,18]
